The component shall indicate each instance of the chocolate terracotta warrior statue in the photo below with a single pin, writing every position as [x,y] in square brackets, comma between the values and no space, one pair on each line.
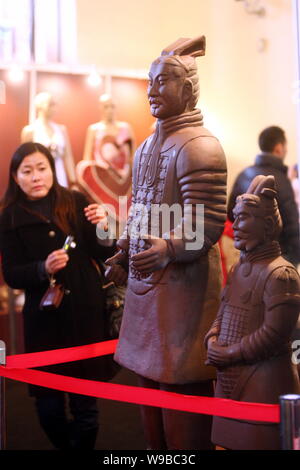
[249,341]
[174,282]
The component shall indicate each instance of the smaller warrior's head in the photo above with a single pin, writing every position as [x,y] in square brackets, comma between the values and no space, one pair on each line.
[173,80]
[256,216]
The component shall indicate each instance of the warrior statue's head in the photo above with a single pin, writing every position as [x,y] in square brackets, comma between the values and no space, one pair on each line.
[173,80]
[257,218]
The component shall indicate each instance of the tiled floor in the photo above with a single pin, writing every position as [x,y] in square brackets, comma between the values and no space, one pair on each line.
[120,427]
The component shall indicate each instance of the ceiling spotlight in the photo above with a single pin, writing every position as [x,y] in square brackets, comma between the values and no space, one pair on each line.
[94,78]
[16,74]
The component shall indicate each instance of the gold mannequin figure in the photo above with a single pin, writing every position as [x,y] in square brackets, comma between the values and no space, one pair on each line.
[105,171]
[53,136]
[118,131]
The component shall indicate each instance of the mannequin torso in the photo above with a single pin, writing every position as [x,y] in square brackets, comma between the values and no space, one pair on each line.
[53,136]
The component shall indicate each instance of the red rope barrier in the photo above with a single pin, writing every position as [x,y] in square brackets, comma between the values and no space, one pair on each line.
[59,356]
[18,368]
[144,396]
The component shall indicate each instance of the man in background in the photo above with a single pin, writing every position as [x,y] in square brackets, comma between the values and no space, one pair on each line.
[273,145]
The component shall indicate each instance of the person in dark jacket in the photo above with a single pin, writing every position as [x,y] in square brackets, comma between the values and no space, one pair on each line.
[37,216]
[273,145]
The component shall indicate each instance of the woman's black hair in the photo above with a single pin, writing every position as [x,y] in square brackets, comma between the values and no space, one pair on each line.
[63,200]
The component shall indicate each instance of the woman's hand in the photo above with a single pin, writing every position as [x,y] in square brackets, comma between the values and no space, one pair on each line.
[95,213]
[56,261]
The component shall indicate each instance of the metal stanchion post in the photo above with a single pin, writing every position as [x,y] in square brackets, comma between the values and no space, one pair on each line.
[12,320]
[2,398]
[290,422]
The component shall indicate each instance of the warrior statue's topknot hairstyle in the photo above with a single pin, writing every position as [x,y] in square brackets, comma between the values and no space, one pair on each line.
[261,194]
[182,53]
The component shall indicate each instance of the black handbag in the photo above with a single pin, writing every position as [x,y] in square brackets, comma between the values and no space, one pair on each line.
[53,296]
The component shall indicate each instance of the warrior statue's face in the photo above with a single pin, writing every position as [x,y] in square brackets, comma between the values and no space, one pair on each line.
[249,227]
[168,92]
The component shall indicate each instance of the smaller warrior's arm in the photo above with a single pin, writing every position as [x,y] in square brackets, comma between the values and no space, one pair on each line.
[282,303]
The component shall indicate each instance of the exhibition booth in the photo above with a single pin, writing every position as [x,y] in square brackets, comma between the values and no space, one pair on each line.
[74,77]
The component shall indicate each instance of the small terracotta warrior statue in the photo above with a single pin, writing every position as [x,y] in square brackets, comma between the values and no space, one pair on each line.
[53,136]
[249,342]
[106,169]
[173,285]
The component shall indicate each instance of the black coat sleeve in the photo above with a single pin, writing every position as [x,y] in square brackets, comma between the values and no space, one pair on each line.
[289,238]
[18,273]
[239,187]
[235,192]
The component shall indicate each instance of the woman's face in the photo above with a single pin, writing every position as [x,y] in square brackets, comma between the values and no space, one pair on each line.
[34,176]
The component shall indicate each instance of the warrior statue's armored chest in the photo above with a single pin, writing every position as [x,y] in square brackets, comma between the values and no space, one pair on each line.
[152,173]
[243,311]
[242,303]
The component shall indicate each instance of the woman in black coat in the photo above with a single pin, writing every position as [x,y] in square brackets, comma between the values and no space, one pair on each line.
[37,216]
